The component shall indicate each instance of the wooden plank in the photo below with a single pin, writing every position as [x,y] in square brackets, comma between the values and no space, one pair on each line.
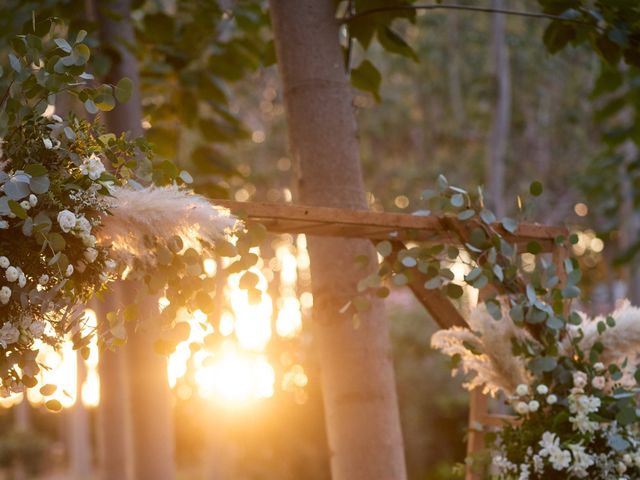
[377,225]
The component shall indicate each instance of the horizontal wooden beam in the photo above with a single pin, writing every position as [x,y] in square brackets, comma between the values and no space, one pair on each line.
[342,222]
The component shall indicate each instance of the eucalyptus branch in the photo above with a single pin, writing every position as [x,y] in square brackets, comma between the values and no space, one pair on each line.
[469,8]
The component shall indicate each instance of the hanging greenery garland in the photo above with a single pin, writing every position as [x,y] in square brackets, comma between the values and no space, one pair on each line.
[74,216]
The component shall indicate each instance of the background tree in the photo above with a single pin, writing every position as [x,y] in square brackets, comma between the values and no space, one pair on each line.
[358,384]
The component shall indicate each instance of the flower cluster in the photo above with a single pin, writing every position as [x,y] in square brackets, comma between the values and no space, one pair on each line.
[49,259]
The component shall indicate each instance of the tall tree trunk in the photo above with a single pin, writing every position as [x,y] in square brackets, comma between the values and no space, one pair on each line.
[360,399]
[150,402]
[495,159]
[115,456]
[21,424]
[453,71]
[79,434]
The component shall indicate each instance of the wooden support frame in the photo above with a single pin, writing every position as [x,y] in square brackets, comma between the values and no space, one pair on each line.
[399,228]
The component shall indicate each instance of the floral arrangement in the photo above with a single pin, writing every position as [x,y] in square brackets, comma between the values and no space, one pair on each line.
[576,420]
[571,381]
[74,216]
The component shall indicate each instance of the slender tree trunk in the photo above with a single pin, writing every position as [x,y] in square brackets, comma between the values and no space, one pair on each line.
[359,392]
[453,70]
[495,159]
[114,423]
[150,402]
[22,424]
[79,433]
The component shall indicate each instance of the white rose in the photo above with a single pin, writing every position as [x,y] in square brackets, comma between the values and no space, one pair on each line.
[534,405]
[83,225]
[598,382]
[22,280]
[37,328]
[48,144]
[551,399]
[522,408]
[89,240]
[69,271]
[110,264]
[25,204]
[8,334]
[66,220]
[579,379]
[522,390]
[33,200]
[4,262]
[44,279]
[598,367]
[12,274]
[5,295]
[90,254]
[542,389]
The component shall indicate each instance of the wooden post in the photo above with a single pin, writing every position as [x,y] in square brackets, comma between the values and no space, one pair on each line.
[478,407]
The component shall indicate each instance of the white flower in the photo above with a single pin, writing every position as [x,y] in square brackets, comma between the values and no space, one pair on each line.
[69,271]
[90,254]
[542,389]
[551,399]
[48,144]
[92,166]
[522,390]
[560,459]
[581,460]
[598,367]
[548,442]
[25,204]
[579,379]
[4,224]
[44,279]
[33,200]
[22,280]
[37,328]
[534,405]
[5,295]
[522,408]
[8,334]
[56,118]
[110,264]
[66,220]
[89,240]
[598,382]
[4,262]
[12,274]
[83,225]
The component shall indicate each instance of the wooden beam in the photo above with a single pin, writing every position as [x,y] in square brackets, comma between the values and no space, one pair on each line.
[325,221]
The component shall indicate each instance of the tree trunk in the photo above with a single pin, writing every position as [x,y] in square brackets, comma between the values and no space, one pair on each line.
[150,402]
[79,434]
[499,137]
[115,456]
[151,412]
[360,400]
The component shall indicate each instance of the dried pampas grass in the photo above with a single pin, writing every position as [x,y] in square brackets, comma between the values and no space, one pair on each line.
[620,341]
[160,212]
[485,352]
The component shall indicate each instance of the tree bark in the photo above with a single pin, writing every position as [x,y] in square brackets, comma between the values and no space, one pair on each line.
[79,435]
[114,441]
[150,402]
[360,399]
[495,160]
